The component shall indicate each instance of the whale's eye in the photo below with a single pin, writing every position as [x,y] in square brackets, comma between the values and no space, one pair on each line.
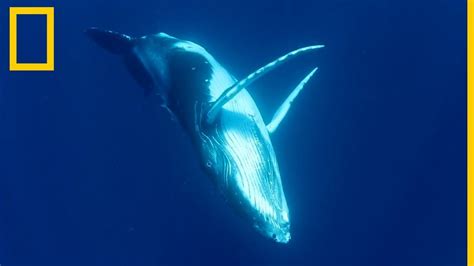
[274,236]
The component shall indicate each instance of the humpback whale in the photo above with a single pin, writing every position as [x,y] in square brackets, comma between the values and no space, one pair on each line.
[219,115]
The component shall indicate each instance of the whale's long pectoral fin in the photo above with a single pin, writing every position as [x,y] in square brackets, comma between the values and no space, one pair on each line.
[285,107]
[231,92]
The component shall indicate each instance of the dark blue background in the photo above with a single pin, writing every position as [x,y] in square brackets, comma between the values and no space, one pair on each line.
[372,155]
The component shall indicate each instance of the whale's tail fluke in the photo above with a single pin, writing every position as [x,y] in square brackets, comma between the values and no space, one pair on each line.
[114,42]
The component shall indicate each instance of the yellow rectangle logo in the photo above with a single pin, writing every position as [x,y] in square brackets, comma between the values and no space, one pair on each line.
[49,65]
[470,133]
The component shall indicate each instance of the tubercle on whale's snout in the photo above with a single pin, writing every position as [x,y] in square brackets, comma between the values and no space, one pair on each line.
[283,239]
[277,231]
[285,236]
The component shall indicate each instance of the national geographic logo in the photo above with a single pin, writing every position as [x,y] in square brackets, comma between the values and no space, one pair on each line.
[25,11]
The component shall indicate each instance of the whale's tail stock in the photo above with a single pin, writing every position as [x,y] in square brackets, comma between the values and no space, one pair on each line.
[122,44]
[114,42]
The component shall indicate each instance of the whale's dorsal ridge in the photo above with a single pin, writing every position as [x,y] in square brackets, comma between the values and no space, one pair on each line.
[114,42]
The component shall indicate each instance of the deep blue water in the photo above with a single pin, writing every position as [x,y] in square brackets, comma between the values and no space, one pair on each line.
[372,155]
